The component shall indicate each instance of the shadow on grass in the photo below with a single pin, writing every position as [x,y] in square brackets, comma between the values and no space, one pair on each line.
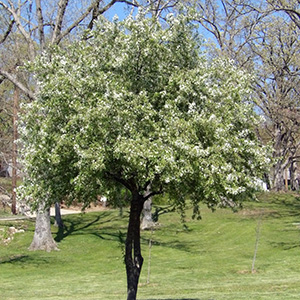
[23,259]
[15,259]
[94,226]
[286,245]
[285,204]
[76,225]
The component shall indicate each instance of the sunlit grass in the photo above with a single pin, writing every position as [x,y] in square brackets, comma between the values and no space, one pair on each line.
[211,259]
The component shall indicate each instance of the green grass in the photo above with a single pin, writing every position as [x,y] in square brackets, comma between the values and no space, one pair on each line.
[210,260]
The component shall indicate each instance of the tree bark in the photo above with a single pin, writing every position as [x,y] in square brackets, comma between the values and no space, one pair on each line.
[42,239]
[133,257]
[278,178]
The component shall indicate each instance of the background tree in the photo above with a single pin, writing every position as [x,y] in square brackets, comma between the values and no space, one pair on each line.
[10,59]
[276,51]
[137,105]
[261,37]
[290,7]
[5,127]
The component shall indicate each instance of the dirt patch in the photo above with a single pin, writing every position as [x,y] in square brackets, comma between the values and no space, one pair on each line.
[257,212]
[247,272]
[78,207]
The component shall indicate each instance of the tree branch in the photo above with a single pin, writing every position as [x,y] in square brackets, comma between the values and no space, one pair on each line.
[95,14]
[77,22]
[40,23]
[18,84]
[153,194]
[129,184]
[59,19]
[16,17]
[8,31]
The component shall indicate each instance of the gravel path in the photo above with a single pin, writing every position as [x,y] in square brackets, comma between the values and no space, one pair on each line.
[33,215]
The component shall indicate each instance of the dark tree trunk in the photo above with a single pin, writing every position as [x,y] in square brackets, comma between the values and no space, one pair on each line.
[58,219]
[133,257]
[42,239]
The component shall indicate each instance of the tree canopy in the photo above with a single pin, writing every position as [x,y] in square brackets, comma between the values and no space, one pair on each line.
[136,104]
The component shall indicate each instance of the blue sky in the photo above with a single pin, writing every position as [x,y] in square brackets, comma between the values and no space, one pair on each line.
[119,9]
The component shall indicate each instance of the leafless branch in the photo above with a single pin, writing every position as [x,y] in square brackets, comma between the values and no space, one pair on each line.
[62,5]
[93,6]
[95,14]
[18,84]
[15,13]
[40,23]
[8,31]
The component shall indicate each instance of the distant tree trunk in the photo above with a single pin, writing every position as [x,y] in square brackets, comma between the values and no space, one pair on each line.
[278,178]
[294,177]
[133,257]
[15,152]
[42,239]
[58,219]
[147,221]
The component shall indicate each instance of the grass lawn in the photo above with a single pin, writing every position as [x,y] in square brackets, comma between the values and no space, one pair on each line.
[210,260]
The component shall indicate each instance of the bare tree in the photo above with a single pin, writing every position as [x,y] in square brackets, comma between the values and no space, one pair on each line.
[266,44]
[229,25]
[277,89]
[290,7]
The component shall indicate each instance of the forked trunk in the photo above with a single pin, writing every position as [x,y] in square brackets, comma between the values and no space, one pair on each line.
[42,239]
[133,257]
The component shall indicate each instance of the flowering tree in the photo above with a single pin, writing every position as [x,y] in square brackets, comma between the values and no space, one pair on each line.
[136,104]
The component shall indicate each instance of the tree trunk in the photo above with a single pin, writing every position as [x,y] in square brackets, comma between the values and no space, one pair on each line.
[147,221]
[58,219]
[15,152]
[278,177]
[42,239]
[133,257]
[294,177]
